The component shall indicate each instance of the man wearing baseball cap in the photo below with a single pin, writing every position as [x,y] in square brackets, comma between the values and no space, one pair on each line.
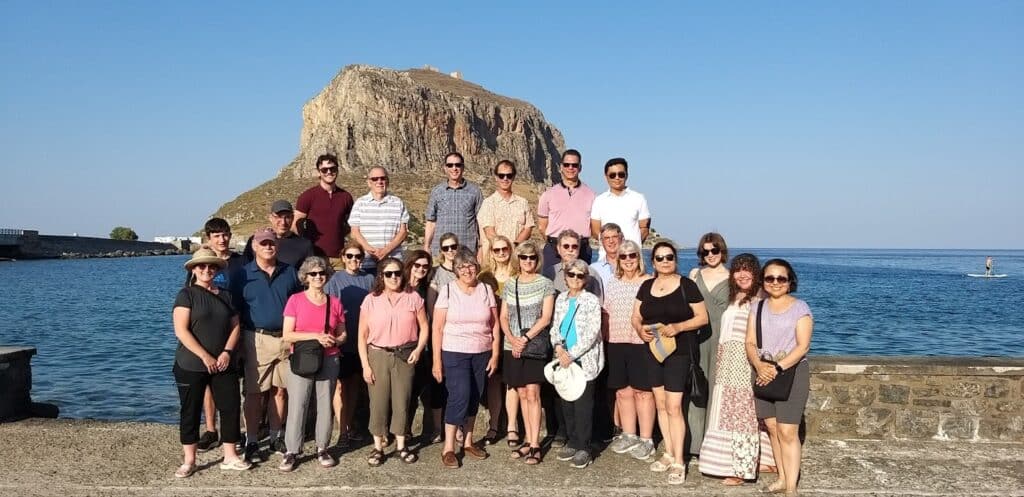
[292,249]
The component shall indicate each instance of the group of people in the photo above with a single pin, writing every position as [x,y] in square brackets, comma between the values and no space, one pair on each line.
[325,300]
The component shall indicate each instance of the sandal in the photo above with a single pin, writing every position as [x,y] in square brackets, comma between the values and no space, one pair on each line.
[185,471]
[236,465]
[764,468]
[676,474]
[520,453]
[491,437]
[733,481]
[662,465]
[534,458]
[376,458]
[407,456]
[513,442]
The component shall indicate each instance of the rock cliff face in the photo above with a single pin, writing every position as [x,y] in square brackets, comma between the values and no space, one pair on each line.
[407,121]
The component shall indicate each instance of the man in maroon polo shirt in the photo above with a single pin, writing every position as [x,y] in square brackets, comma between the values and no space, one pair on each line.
[326,208]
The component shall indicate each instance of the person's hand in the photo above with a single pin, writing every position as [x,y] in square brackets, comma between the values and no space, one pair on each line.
[518,344]
[646,333]
[210,363]
[414,356]
[325,340]
[765,373]
[223,361]
[563,357]
[438,372]
[492,365]
[667,330]
[368,375]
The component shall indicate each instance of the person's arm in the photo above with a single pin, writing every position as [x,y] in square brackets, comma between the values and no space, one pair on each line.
[542,225]
[765,372]
[645,229]
[693,274]
[421,341]
[428,234]
[485,218]
[299,216]
[362,346]
[595,229]
[698,321]
[429,221]
[181,317]
[492,365]
[357,235]
[396,241]
[804,329]
[440,317]
[637,321]
[547,310]
[224,359]
[524,234]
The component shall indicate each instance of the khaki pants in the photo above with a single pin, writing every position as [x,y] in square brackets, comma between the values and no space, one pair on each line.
[391,391]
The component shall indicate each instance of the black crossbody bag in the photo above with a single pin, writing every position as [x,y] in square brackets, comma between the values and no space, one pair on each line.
[779,388]
[696,380]
[308,355]
[538,347]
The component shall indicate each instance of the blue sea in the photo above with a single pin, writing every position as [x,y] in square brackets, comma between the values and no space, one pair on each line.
[103,326]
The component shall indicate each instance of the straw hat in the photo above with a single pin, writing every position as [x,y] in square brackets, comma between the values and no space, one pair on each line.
[205,256]
[569,382]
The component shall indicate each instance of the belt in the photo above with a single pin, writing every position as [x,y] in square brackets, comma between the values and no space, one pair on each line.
[404,346]
[264,331]
[554,239]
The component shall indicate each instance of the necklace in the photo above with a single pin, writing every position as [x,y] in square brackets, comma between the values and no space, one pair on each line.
[661,286]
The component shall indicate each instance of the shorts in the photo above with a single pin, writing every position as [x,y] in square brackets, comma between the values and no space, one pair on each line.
[627,366]
[791,410]
[670,374]
[350,365]
[260,352]
[523,371]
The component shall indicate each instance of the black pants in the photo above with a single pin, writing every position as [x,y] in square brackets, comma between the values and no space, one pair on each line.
[191,389]
[554,421]
[604,403]
[579,418]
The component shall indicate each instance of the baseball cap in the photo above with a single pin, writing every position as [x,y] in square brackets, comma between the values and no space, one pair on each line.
[281,205]
[264,234]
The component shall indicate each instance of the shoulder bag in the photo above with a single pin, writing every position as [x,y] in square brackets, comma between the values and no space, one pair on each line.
[777,389]
[538,347]
[696,380]
[308,355]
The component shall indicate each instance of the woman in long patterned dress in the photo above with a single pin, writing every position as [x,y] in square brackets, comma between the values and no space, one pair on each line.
[712,278]
[735,439]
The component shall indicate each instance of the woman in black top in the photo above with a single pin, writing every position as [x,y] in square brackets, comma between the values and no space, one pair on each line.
[670,305]
[206,325]
[418,264]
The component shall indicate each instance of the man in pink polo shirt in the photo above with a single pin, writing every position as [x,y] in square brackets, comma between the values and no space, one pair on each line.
[566,206]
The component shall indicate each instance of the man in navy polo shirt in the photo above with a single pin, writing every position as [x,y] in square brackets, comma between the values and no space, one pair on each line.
[260,291]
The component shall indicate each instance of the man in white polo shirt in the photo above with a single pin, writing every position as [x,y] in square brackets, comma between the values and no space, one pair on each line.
[379,221]
[620,205]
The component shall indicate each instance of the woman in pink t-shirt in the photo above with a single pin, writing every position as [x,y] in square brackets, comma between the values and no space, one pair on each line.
[466,344]
[392,336]
[304,319]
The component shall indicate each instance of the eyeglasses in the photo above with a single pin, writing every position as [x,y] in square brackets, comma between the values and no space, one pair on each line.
[714,251]
[206,267]
[392,274]
[467,267]
[570,246]
[505,175]
[449,248]
[525,257]
[617,175]
[571,165]
[378,178]
[316,274]
[329,170]
[454,164]
[498,250]
[578,276]
[782,280]
[417,265]
[631,255]
[357,257]
[666,257]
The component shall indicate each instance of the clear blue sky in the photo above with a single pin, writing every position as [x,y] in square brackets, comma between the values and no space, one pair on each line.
[779,124]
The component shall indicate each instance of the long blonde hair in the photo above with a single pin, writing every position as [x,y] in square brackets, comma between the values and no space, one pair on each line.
[491,265]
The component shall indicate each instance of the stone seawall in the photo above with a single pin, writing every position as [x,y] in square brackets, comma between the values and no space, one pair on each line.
[15,381]
[973,399]
[35,246]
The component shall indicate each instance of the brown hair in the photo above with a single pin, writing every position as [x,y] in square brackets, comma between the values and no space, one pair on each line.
[378,282]
[714,239]
[411,257]
[352,244]
[744,262]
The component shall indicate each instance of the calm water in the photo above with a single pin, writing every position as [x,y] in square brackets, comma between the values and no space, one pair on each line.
[105,341]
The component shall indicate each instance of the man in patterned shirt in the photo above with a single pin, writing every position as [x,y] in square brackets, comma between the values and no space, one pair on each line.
[452,207]
[379,221]
[505,213]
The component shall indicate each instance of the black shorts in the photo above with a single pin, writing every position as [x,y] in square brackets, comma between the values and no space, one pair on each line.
[627,366]
[670,374]
[521,372]
[350,365]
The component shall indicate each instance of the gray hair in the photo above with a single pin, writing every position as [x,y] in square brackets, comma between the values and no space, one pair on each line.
[314,263]
[611,227]
[579,266]
[629,246]
[569,234]
[465,256]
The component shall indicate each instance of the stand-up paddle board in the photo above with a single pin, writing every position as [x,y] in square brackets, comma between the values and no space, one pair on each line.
[986,275]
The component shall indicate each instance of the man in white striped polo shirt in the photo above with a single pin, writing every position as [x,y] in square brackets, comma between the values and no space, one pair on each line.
[379,221]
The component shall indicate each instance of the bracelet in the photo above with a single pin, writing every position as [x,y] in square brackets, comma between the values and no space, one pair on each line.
[229,351]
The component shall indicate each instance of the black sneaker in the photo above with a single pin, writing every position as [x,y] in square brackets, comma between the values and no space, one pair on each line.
[253,453]
[277,446]
[581,459]
[208,441]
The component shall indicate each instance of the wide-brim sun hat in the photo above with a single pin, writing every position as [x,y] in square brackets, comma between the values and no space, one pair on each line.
[205,256]
[568,382]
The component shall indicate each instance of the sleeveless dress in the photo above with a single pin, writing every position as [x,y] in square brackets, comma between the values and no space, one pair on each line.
[716,300]
[735,441]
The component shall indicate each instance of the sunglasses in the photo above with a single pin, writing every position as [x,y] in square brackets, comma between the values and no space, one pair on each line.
[618,175]
[571,165]
[378,178]
[524,257]
[498,250]
[567,246]
[392,274]
[666,257]
[578,276]
[204,267]
[417,265]
[449,248]
[329,170]
[631,255]
[454,164]
[316,273]
[354,256]
[714,251]
[505,176]
[782,280]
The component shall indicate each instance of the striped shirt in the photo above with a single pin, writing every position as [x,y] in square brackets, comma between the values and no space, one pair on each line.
[379,221]
[454,210]
[507,217]
[530,305]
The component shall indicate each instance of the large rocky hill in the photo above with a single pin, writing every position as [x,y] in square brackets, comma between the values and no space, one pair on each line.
[407,121]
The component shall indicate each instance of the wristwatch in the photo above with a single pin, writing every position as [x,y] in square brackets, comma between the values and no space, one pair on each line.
[778,368]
